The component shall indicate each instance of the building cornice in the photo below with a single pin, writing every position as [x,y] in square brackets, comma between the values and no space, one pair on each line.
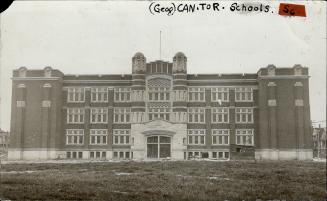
[222,80]
[281,77]
[98,81]
[35,78]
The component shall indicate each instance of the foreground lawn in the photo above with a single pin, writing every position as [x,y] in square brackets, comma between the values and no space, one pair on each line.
[185,180]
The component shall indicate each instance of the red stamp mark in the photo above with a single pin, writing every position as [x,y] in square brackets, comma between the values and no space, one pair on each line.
[287,9]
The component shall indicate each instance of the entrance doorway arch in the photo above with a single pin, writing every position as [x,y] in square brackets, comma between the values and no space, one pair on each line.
[158,146]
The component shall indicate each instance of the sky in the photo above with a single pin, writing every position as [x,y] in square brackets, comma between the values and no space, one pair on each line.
[100,37]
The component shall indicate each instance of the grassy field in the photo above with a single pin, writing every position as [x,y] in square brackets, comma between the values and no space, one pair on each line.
[178,181]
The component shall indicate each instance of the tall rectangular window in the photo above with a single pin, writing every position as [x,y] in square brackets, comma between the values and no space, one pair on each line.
[220,115]
[220,136]
[220,94]
[180,95]
[243,94]
[196,115]
[99,94]
[196,94]
[76,94]
[159,94]
[74,137]
[75,115]
[244,115]
[122,94]
[196,136]
[98,136]
[138,95]
[121,136]
[122,115]
[244,137]
[99,115]
[159,113]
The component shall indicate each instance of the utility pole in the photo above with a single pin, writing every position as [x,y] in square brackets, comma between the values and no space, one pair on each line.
[318,139]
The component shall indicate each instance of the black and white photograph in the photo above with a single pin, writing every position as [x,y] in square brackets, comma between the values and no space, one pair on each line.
[163,100]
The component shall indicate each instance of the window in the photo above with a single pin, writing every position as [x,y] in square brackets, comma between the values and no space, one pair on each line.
[159,94]
[115,154]
[244,137]
[138,95]
[74,137]
[197,154]
[243,94]
[122,115]
[220,154]
[99,94]
[180,95]
[220,115]
[244,115]
[220,94]
[159,113]
[74,154]
[121,136]
[158,147]
[98,136]
[122,155]
[220,137]
[75,115]
[122,94]
[76,94]
[196,137]
[98,154]
[179,117]
[196,115]
[226,154]
[196,94]
[99,115]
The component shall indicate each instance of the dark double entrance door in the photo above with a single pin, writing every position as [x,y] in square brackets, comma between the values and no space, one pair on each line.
[158,147]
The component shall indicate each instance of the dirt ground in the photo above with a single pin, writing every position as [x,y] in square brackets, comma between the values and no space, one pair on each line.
[157,181]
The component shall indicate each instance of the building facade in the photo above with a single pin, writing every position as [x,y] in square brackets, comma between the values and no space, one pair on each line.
[159,111]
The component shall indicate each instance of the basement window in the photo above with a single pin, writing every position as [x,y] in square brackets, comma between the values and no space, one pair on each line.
[226,154]
[80,154]
[115,154]
[205,155]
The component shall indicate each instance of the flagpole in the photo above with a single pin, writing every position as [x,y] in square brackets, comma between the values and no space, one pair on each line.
[160,47]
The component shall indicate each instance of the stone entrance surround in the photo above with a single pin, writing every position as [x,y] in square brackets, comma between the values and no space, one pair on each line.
[177,132]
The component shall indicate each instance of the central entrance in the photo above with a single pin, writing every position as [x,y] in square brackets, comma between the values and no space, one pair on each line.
[158,147]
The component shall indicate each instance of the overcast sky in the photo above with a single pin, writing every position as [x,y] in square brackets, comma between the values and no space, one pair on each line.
[101,37]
